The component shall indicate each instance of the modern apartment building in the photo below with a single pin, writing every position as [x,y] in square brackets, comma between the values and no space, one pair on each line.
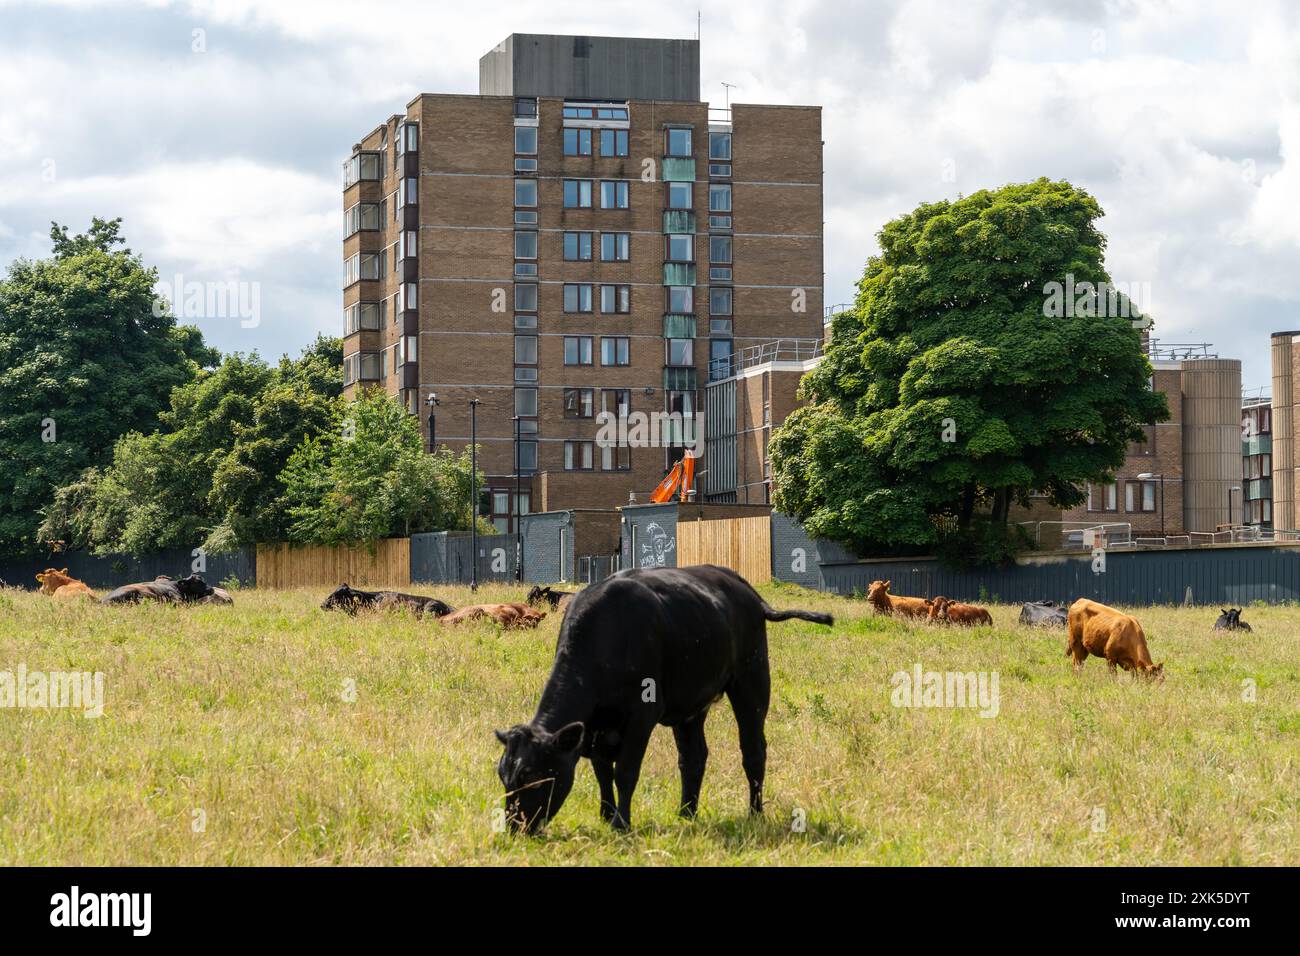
[584,235]
[1257,459]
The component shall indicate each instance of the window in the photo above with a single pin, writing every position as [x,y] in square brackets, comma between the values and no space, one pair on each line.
[525,297]
[577,246]
[363,215]
[525,321]
[579,403]
[363,265]
[615,246]
[525,245]
[616,401]
[1140,496]
[408,138]
[679,352]
[719,358]
[677,142]
[406,245]
[720,147]
[680,196]
[1102,497]
[614,350]
[362,367]
[363,315]
[719,197]
[525,192]
[719,326]
[525,350]
[526,140]
[615,458]
[613,195]
[680,248]
[525,217]
[613,142]
[367,166]
[615,299]
[720,300]
[408,193]
[525,401]
[577,194]
[681,299]
[528,456]
[577,142]
[587,111]
[720,249]
[578,455]
[577,297]
[525,106]
[577,350]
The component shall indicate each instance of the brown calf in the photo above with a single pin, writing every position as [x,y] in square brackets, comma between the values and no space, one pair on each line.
[947,611]
[1105,632]
[878,596]
[58,584]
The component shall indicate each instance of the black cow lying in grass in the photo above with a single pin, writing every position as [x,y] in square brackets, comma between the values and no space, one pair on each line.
[1230,620]
[161,588]
[1044,614]
[351,600]
[549,595]
[194,590]
[644,647]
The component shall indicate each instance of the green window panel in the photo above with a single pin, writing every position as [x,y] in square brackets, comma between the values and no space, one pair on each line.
[677,170]
[679,326]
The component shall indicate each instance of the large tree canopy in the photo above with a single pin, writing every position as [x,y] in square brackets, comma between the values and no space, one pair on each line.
[83,360]
[947,388]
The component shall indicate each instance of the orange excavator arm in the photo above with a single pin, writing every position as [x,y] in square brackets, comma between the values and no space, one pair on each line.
[676,482]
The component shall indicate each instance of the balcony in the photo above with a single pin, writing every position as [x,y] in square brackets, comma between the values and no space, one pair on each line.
[679,273]
[679,326]
[678,170]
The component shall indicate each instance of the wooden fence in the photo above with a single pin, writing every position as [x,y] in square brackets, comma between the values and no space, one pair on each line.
[742,544]
[285,566]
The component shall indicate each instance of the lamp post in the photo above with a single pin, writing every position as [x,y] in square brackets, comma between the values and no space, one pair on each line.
[1148,476]
[516,516]
[1231,489]
[431,400]
[473,493]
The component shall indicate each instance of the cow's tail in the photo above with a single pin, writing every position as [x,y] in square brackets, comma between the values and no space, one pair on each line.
[817,617]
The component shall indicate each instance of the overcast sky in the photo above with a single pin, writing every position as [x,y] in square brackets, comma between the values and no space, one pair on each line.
[221,149]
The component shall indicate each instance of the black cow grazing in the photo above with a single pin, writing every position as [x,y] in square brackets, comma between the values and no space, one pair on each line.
[1230,620]
[1044,614]
[555,598]
[161,588]
[644,647]
[351,600]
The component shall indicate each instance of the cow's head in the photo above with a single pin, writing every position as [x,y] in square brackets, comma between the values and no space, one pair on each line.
[537,772]
[938,608]
[343,598]
[51,580]
[877,590]
[537,595]
[192,588]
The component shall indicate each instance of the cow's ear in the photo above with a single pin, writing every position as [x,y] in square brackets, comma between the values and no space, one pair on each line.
[64,571]
[569,737]
[503,736]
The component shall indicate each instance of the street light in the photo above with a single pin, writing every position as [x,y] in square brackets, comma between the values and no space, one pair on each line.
[431,400]
[473,493]
[1148,476]
[1230,491]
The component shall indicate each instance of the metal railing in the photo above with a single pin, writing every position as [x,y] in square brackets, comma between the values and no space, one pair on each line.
[780,350]
[1159,351]
[1259,395]
[830,311]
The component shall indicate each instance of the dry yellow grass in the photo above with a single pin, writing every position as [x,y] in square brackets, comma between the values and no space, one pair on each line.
[228,738]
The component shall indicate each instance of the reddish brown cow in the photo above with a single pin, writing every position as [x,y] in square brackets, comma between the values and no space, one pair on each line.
[878,596]
[946,611]
[1105,632]
[507,615]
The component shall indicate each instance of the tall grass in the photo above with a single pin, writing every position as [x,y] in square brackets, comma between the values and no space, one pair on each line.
[272,732]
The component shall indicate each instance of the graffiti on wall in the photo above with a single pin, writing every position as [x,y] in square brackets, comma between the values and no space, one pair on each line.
[656,546]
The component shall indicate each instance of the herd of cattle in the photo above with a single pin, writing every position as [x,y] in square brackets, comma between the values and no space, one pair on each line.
[690,635]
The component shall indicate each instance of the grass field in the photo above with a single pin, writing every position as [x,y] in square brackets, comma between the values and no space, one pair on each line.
[233,736]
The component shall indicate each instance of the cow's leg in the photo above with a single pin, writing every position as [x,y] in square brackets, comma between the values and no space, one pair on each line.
[604,770]
[749,694]
[692,753]
[627,770]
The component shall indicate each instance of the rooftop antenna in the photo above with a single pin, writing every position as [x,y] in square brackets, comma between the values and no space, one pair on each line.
[726,92]
[697,24]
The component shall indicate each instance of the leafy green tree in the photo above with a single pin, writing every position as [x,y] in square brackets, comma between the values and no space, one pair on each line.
[947,389]
[84,359]
[369,477]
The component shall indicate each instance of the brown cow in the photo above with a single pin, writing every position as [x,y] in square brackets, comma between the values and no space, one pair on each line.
[885,603]
[1105,632]
[58,584]
[946,611]
[507,615]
